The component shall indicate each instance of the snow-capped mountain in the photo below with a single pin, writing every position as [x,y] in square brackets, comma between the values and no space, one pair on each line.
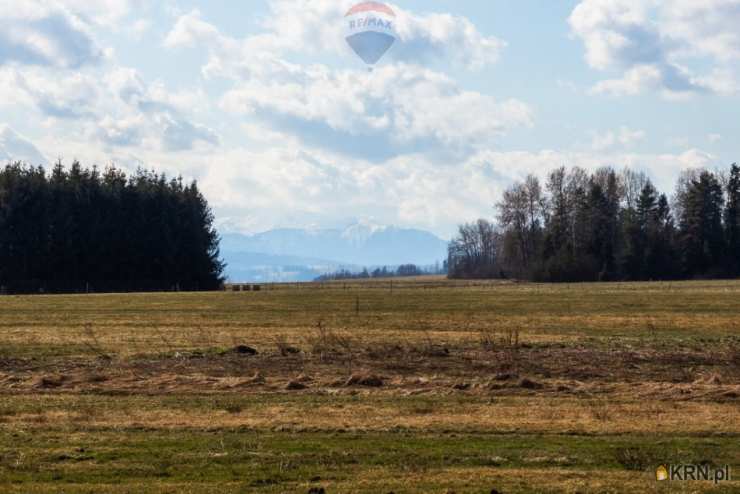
[318,251]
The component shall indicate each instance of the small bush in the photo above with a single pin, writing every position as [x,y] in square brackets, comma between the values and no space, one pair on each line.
[326,342]
[634,459]
[284,348]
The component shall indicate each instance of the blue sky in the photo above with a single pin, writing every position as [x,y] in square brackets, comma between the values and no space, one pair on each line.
[283,126]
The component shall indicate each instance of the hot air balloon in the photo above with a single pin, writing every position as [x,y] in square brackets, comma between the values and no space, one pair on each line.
[371,30]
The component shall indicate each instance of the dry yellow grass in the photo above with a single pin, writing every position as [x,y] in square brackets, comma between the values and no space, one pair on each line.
[478,385]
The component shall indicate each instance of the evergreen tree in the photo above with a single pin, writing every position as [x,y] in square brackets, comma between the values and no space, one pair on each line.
[732,220]
[661,261]
[702,235]
[78,230]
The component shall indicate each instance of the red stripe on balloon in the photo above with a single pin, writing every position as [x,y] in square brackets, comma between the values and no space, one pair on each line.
[371,6]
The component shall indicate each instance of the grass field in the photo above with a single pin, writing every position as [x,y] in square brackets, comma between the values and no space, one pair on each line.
[420,386]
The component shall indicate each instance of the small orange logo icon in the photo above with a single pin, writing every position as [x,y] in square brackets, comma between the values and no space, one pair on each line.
[661,474]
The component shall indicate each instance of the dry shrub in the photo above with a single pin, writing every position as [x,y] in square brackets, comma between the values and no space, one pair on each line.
[512,338]
[429,348]
[599,411]
[508,343]
[384,350]
[329,345]
[487,339]
[284,348]
[325,342]
[634,459]
[92,342]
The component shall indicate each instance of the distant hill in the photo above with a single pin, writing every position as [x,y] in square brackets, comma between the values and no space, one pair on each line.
[294,254]
[266,268]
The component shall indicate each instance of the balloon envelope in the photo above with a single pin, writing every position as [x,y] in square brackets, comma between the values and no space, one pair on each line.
[371,30]
[370,46]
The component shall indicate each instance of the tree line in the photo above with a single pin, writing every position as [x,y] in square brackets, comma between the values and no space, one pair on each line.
[403,271]
[80,229]
[606,226]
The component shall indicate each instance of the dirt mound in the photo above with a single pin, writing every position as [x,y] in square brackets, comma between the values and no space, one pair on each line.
[244,350]
[289,350]
[49,382]
[303,378]
[529,384]
[367,380]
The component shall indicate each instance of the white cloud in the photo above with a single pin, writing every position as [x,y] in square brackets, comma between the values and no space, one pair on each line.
[397,104]
[190,30]
[179,134]
[284,185]
[317,27]
[281,143]
[654,44]
[38,32]
[290,188]
[140,27]
[394,109]
[14,147]
[67,95]
[117,108]
[623,137]
[108,13]
[121,132]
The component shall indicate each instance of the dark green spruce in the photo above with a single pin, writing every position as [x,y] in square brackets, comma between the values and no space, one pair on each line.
[80,229]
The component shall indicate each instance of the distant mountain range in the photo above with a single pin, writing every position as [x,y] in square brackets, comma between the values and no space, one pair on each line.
[304,254]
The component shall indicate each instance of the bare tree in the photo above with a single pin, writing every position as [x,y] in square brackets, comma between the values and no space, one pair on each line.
[521,213]
[632,182]
[473,253]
